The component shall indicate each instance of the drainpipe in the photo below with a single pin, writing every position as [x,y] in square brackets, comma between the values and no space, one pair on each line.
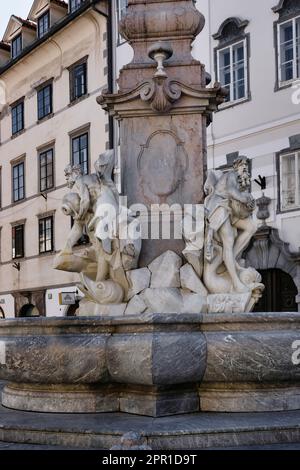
[110,60]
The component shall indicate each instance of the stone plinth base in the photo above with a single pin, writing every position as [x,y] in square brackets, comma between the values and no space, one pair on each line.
[144,401]
[194,431]
[246,398]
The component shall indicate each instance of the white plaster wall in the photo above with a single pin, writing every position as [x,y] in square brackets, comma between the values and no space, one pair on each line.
[53,308]
[7,303]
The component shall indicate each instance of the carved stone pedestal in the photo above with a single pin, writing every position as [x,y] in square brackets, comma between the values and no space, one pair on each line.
[163,107]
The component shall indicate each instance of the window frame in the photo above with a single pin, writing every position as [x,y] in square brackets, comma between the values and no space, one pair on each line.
[39,19]
[72,9]
[79,135]
[41,90]
[286,83]
[230,45]
[42,223]
[14,165]
[119,16]
[14,41]
[42,152]
[14,118]
[280,156]
[14,238]
[72,70]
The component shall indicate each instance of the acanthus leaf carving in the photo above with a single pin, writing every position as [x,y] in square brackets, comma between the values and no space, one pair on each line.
[161,92]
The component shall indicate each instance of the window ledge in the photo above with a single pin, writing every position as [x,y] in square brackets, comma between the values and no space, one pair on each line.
[232,104]
[14,203]
[287,211]
[78,100]
[284,85]
[47,253]
[45,118]
[17,134]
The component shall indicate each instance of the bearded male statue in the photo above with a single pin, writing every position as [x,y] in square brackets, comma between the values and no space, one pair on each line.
[229,228]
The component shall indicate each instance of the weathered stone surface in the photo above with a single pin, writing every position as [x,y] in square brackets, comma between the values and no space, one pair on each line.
[164,300]
[228,303]
[165,270]
[135,306]
[54,359]
[193,303]
[196,431]
[132,441]
[90,309]
[190,280]
[60,399]
[139,279]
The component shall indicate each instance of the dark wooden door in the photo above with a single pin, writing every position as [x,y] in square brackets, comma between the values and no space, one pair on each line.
[280,292]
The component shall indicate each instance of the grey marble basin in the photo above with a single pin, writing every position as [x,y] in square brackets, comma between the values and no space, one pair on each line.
[151,365]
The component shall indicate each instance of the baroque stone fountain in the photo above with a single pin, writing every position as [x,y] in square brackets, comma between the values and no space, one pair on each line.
[165,326]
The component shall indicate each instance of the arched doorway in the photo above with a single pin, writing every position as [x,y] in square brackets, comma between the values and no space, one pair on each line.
[29,310]
[72,309]
[280,292]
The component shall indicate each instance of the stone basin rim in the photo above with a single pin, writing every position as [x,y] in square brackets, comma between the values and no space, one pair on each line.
[153,320]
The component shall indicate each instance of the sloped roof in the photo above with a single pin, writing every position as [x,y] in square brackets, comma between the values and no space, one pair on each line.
[38,5]
[21,22]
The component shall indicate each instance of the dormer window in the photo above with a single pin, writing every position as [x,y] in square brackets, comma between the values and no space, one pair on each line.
[232,59]
[43,24]
[75,5]
[16,46]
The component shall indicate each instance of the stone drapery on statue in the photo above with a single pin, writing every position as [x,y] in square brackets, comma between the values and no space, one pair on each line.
[94,206]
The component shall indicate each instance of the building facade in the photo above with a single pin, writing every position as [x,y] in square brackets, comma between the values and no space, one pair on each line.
[53,65]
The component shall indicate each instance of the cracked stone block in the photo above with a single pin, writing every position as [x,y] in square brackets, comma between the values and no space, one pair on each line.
[165,270]
[139,280]
[164,300]
[135,306]
[190,280]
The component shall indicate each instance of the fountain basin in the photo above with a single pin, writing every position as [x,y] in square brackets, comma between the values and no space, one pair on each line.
[149,365]
[154,365]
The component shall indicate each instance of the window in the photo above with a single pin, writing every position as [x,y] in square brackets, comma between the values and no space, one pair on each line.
[17,114]
[232,70]
[16,46]
[290,181]
[43,24]
[289,50]
[80,152]
[44,97]
[18,241]
[46,170]
[75,5]
[231,59]
[18,182]
[78,80]
[121,11]
[46,234]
